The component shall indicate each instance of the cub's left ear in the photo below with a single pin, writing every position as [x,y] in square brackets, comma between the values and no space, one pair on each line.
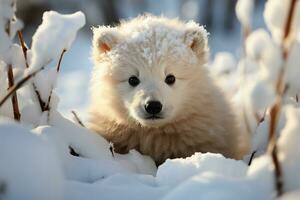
[196,38]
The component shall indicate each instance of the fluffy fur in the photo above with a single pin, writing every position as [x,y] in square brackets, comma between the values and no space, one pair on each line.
[195,114]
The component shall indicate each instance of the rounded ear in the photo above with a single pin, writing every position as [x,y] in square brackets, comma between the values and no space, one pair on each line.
[104,39]
[196,38]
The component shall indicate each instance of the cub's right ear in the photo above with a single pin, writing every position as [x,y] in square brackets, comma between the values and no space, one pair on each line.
[104,39]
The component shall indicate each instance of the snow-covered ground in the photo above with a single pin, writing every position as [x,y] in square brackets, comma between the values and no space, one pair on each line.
[47,156]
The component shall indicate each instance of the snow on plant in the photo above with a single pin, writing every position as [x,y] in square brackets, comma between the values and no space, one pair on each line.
[268,78]
[289,149]
[276,14]
[51,40]
[244,10]
[61,27]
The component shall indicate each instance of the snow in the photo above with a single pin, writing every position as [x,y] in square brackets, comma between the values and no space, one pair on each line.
[262,95]
[224,63]
[275,15]
[260,137]
[291,196]
[62,28]
[261,48]
[256,43]
[7,13]
[289,148]
[292,68]
[48,77]
[244,10]
[35,155]
[30,168]
[176,171]
[97,174]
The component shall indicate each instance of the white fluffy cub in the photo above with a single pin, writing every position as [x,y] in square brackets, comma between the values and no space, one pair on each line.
[151,92]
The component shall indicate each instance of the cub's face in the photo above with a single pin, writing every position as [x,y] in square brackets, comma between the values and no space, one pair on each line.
[150,74]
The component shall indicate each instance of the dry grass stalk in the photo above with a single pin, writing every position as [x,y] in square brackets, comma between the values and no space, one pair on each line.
[246,30]
[251,158]
[276,108]
[60,59]
[77,119]
[112,149]
[24,49]
[14,98]
[16,86]
[47,107]
[10,77]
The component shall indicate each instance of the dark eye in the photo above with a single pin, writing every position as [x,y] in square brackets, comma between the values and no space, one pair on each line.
[133,81]
[170,79]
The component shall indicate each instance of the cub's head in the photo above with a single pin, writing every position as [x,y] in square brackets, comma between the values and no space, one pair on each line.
[148,71]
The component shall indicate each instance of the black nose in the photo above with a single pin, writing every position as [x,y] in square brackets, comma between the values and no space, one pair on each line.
[153,107]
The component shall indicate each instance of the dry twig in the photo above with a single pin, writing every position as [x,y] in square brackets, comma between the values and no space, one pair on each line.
[60,59]
[77,119]
[15,87]
[24,49]
[14,98]
[251,158]
[10,77]
[276,108]
[112,149]
[47,107]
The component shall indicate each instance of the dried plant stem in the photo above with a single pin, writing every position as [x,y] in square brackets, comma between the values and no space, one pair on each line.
[16,86]
[47,107]
[246,30]
[24,48]
[251,158]
[272,147]
[112,149]
[39,98]
[77,119]
[10,77]
[60,59]
[276,108]
[14,98]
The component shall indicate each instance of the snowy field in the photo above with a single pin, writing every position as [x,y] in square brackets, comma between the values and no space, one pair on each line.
[44,155]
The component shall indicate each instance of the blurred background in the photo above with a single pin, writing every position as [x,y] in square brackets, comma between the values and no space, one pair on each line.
[218,16]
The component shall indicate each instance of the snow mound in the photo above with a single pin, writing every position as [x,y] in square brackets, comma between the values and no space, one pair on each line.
[30,168]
